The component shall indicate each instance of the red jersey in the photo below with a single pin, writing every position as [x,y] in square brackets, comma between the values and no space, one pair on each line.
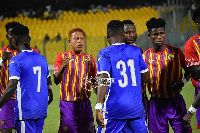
[165,68]
[192,54]
[73,83]
[4,73]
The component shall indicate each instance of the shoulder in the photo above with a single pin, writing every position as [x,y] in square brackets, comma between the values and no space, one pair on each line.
[190,41]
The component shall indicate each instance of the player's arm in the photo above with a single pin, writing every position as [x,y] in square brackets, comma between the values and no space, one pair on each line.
[145,77]
[58,76]
[50,92]
[6,56]
[101,91]
[9,91]
[195,72]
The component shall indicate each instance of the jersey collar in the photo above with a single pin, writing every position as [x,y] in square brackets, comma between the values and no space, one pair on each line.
[27,50]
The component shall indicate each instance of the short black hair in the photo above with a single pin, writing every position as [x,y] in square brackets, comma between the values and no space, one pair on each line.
[155,23]
[20,30]
[196,14]
[128,22]
[115,27]
[11,25]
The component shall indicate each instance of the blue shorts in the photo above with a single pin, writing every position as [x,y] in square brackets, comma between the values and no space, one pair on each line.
[124,126]
[29,126]
[7,115]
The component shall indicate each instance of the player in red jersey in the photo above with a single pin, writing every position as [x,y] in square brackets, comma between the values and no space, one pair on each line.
[71,70]
[192,58]
[165,64]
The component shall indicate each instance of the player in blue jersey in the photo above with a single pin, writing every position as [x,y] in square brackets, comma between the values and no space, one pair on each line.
[122,110]
[29,77]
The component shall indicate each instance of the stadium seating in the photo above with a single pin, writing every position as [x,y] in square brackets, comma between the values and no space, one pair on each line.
[94,24]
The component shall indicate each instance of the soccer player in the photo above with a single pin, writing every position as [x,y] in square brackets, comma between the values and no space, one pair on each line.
[28,75]
[71,70]
[122,110]
[192,58]
[165,64]
[6,53]
[130,36]
[130,33]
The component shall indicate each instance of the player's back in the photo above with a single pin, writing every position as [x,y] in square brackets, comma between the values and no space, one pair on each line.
[124,63]
[32,92]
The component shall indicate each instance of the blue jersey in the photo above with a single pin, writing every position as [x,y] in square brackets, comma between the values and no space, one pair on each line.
[125,64]
[31,69]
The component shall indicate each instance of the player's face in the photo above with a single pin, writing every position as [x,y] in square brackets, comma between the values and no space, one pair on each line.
[77,41]
[157,36]
[130,34]
[10,39]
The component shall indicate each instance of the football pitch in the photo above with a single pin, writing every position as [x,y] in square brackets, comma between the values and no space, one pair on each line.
[52,121]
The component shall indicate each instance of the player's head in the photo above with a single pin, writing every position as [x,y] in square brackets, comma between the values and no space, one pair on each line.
[21,38]
[115,31]
[196,17]
[156,29]
[130,34]
[76,40]
[9,26]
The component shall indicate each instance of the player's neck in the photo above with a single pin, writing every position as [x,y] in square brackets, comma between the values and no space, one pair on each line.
[158,48]
[116,40]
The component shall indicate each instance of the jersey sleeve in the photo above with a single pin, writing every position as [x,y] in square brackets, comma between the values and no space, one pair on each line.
[182,59]
[58,62]
[191,57]
[103,63]
[143,67]
[14,69]
[94,72]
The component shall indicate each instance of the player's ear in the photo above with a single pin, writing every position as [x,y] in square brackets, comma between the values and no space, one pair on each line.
[108,35]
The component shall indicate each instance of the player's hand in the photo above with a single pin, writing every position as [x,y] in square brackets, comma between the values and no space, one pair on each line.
[187,118]
[176,86]
[99,118]
[6,56]
[66,61]
[50,96]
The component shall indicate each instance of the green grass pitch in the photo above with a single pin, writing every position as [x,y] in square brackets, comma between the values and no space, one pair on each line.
[52,121]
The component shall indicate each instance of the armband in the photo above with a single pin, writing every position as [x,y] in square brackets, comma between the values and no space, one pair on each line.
[98,106]
[184,81]
[1,62]
[192,109]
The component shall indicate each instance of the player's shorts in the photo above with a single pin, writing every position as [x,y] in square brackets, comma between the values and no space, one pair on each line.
[124,126]
[76,117]
[162,111]
[198,110]
[30,126]
[7,115]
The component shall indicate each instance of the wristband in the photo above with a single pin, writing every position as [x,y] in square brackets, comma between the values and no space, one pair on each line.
[184,81]
[192,109]
[1,62]
[98,106]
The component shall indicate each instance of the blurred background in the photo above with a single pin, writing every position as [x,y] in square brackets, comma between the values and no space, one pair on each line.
[49,21]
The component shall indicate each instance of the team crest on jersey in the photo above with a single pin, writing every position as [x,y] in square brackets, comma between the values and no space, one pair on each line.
[170,57]
[87,60]
[2,122]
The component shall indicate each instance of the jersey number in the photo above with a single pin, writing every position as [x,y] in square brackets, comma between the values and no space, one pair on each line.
[130,64]
[35,70]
